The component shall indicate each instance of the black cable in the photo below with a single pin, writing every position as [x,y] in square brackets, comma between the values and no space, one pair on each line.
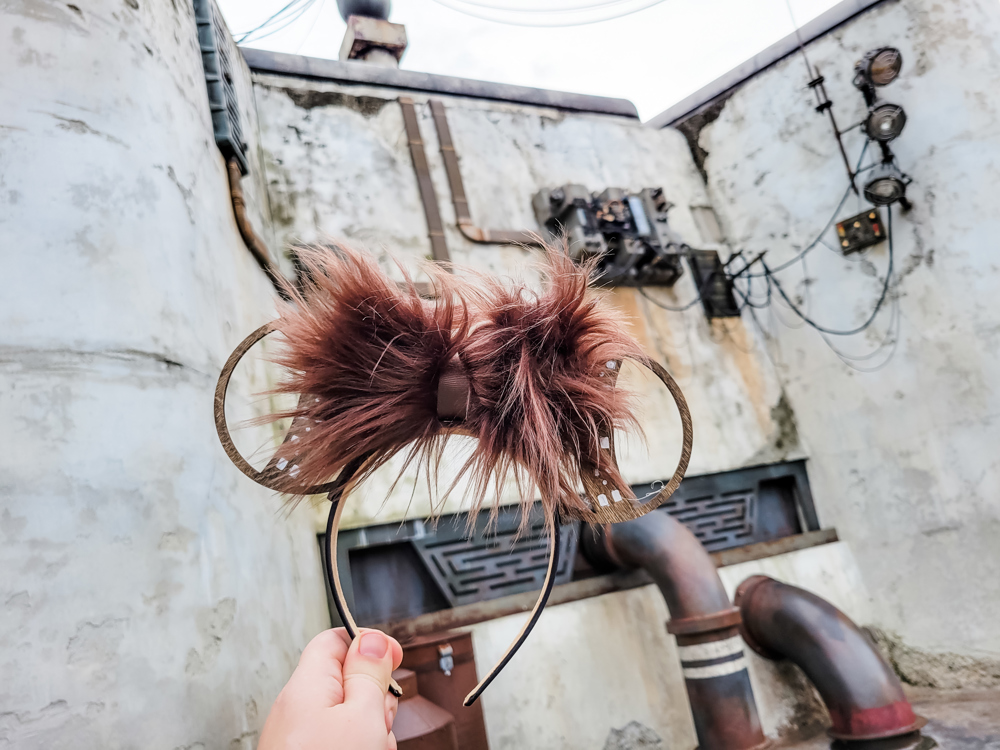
[688,306]
[243,35]
[290,14]
[819,237]
[746,296]
[830,331]
[891,338]
[291,19]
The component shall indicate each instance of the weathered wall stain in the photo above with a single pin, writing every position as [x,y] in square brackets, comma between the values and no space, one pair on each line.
[369,106]
[944,670]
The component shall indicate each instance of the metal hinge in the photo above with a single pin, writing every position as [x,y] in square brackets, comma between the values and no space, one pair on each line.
[445,659]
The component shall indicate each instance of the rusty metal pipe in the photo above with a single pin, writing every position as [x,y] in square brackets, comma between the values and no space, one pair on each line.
[862,693]
[701,616]
[251,239]
[466,225]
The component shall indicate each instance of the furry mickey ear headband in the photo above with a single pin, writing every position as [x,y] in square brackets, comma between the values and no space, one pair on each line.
[378,369]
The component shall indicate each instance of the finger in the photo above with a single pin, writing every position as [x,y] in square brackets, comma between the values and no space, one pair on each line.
[397,653]
[397,650]
[328,646]
[318,679]
[367,671]
[391,707]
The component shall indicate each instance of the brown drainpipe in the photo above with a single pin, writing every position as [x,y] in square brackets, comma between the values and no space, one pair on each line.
[862,693]
[701,617]
[435,227]
[251,239]
[466,225]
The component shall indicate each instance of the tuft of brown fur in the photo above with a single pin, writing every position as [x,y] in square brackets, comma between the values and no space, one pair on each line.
[364,354]
[537,363]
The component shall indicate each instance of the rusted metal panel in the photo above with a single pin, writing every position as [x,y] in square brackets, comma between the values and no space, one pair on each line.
[421,724]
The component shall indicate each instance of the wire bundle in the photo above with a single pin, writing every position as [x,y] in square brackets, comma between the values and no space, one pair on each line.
[773,288]
[278,21]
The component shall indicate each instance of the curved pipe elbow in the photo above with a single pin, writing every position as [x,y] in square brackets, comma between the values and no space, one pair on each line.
[701,616]
[862,693]
[251,239]
[674,558]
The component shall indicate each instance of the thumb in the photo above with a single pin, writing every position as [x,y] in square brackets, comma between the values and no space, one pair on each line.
[367,671]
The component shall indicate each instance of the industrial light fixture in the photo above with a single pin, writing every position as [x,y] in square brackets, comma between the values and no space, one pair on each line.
[885,121]
[886,184]
[879,66]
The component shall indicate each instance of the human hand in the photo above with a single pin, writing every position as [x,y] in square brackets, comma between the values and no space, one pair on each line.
[338,696]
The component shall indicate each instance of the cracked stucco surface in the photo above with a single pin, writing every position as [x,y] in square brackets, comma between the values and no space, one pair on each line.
[903,461]
[151,596]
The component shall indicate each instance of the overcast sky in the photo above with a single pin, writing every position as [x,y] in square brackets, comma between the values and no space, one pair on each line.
[654,57]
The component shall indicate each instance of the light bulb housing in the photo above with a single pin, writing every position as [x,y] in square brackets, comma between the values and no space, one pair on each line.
[886,185]
[880,66]
[885,121]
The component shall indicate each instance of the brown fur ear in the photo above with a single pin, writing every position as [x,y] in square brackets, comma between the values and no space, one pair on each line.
[537,364]
[364,354]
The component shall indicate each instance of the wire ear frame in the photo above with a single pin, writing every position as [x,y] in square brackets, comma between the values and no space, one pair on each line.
[621,507]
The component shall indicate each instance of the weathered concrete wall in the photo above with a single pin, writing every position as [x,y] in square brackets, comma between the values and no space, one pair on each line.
[152,596]
[903,461]
[598,664]
[339,168]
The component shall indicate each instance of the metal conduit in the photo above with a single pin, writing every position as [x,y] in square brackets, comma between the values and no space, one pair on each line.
[701,617]
[861,691]
[251,239]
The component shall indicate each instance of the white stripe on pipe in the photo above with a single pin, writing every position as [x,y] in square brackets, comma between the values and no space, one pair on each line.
[716,670]
[711,650]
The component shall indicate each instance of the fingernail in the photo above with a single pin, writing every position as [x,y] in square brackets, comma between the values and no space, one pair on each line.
[374,644]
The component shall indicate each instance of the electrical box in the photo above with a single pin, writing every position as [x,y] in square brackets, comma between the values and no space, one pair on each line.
[861,231]
[714,287]
[628,231]
[217,60]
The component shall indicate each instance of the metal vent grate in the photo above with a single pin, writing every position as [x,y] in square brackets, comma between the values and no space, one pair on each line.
[734,508]
[494,565]
[217,59]
[396,571]
[719,521]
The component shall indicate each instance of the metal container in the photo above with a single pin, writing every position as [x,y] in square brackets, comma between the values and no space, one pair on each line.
[446,673]
[421,724]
